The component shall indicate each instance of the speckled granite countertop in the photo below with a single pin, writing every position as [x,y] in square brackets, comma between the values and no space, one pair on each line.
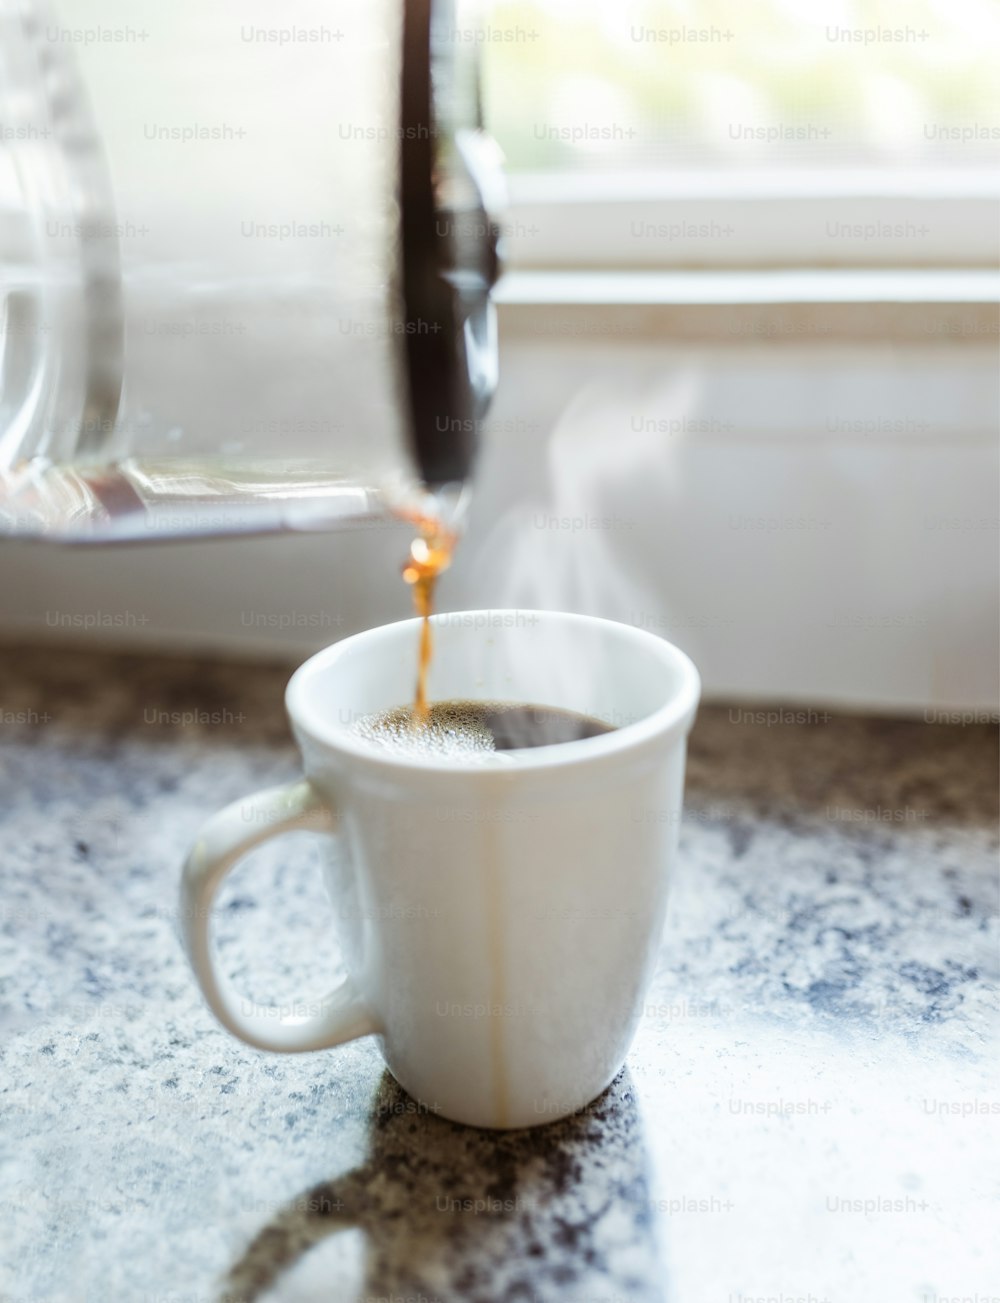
[806,1114]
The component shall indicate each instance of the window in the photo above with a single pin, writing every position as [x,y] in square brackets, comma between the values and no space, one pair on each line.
[675,129]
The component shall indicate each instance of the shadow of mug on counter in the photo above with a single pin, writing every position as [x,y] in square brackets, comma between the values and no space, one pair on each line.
[498,1214]
[502,918]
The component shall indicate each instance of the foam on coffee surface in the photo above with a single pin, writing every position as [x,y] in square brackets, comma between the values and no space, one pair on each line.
[453,730]
[475,731]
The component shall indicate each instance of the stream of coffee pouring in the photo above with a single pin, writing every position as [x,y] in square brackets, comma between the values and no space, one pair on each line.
[430,555]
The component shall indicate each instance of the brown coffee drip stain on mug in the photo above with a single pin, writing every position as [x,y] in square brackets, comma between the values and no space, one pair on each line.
[495,949]
[430,555]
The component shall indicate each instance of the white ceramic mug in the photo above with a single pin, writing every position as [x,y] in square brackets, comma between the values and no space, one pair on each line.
[499,921]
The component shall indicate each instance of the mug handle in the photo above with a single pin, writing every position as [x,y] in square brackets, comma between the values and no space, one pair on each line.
[223,841]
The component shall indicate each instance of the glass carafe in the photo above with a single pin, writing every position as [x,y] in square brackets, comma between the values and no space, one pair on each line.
[246,253]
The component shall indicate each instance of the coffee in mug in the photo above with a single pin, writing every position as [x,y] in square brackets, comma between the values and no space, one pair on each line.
[475,730]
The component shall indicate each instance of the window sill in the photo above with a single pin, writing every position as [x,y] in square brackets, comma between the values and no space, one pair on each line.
[865,218]
[932,306]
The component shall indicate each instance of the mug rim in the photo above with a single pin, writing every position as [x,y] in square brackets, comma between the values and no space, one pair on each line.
[675,715]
